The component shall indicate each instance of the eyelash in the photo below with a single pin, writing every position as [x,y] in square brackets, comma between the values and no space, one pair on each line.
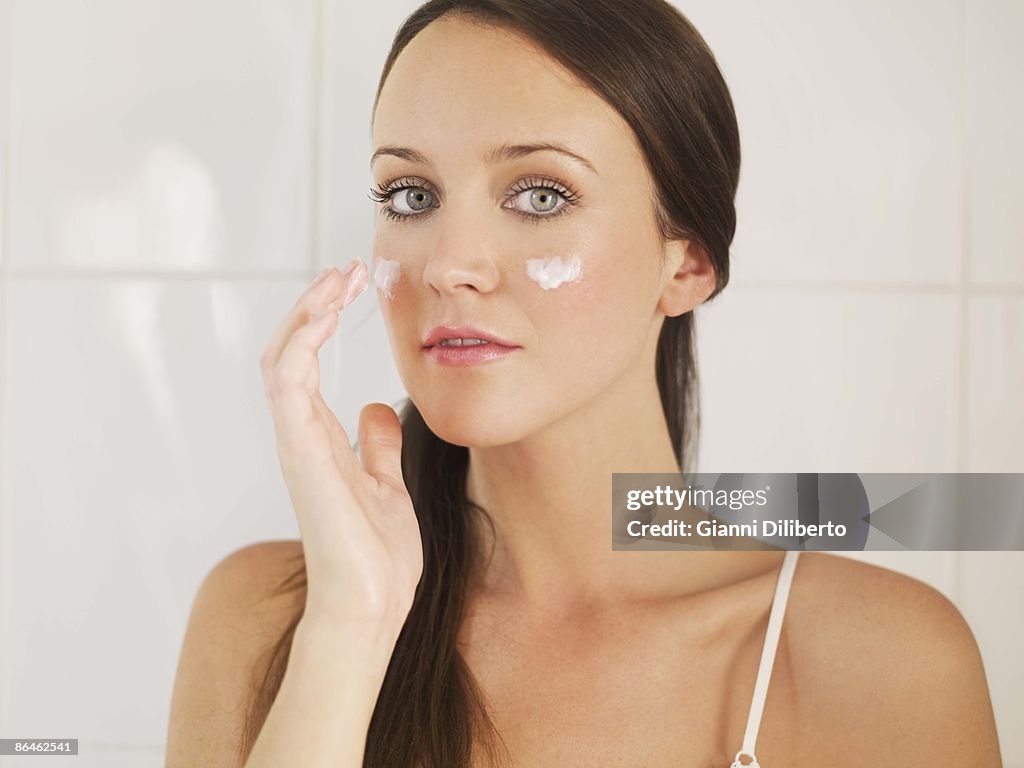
[382,193]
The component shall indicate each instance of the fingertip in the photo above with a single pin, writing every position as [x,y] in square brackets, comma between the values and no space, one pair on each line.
[357,284]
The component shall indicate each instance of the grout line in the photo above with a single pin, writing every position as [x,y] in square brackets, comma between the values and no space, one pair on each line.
[983,289]
[861,287]
[61,273]
[963,380]
[854,286]
[6,590]
[950,565]
[963,421]
[58,272]
[331,368]
[317,112]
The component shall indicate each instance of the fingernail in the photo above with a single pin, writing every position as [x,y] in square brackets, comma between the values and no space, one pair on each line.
[352,265]
[319,278]
[355,287]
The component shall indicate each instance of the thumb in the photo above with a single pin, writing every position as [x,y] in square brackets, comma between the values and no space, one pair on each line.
[380,444]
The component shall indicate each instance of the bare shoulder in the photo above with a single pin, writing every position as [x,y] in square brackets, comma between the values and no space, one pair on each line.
[888,666]
[850,594]
[239,613]
[251,574]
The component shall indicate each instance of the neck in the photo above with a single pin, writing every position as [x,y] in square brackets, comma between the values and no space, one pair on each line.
[549,498]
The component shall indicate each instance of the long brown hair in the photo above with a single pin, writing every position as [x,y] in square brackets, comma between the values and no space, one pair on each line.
[646,60]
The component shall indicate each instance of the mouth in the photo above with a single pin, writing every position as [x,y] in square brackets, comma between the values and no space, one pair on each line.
[465,345]
[464,336]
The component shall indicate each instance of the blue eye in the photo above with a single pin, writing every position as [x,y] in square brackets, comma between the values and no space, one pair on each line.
[542,198]
[417,198]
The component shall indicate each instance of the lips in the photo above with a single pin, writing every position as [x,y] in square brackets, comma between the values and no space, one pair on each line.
[441,332]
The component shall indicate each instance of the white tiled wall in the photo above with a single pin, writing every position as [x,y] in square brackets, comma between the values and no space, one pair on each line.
[174,173]
[879,268]
[149,135]
[993,107]
[849,118]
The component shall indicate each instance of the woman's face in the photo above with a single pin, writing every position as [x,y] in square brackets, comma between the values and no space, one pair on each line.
[466,252]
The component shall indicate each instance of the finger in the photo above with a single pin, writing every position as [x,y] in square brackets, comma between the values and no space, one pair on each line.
[356,287]
[328,288]
[299,361]
[309,436]
[341,446]
[300,358]
[323,290]
[292,389]
[296,420]
[295,415]
[380,444]
[304,446]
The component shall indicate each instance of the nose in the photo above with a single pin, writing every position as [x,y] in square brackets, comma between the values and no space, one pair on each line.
[461,258]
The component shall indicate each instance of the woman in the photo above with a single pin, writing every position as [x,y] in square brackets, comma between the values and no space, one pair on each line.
[556,179]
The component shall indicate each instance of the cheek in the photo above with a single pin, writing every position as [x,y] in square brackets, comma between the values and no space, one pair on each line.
[591,310]
[393,279]
[555,271]
[390,270]
[386,273]
[574,292]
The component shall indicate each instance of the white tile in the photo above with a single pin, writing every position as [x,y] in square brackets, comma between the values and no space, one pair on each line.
[994,112]
[6,586]
[995,381]
[805,381]
[357,37]
[137,451]
[994,609]
[6,35]
[155,135]
[849,119]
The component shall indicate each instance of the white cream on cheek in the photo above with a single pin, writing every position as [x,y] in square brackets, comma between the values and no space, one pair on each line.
[385,275]
[553,272]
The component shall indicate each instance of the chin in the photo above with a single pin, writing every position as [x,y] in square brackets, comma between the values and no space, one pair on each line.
[459,423]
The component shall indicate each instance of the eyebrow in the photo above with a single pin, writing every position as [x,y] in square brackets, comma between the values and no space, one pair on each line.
[503,152]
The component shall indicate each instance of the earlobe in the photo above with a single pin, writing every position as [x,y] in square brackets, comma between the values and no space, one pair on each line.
[691,279]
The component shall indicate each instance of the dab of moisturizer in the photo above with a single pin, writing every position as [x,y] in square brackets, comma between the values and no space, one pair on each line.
[551,273]
[385,275]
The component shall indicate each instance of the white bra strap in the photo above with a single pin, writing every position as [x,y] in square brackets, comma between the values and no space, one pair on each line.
[771,641]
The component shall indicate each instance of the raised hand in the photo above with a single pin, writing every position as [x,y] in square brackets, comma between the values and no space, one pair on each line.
[360,535]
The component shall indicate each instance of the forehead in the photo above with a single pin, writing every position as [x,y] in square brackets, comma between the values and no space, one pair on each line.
[460,88]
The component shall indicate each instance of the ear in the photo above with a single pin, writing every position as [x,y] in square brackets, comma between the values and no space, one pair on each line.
[689,277]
